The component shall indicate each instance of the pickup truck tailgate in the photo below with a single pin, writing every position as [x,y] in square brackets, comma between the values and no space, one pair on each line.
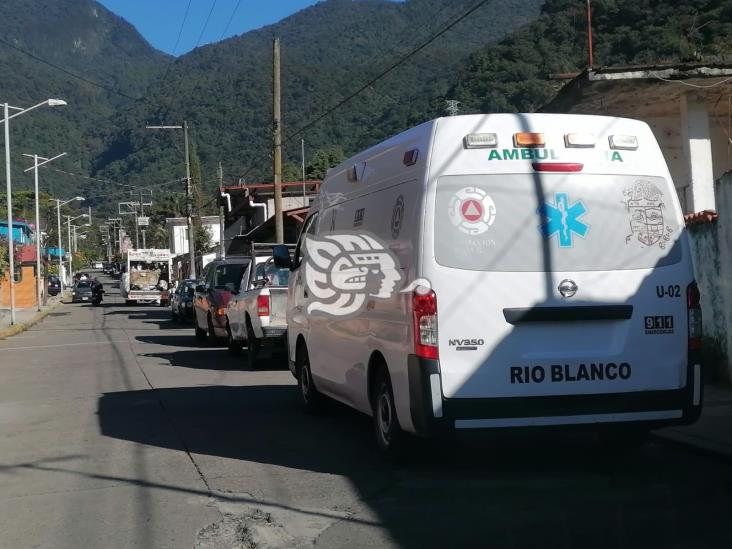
[278,305]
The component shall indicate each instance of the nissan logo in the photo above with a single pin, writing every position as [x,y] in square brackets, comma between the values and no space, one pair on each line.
[567,287]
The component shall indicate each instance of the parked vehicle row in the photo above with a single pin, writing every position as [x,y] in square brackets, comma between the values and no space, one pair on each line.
[241,300]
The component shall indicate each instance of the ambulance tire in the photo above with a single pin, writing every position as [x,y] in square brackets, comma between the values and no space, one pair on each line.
[390,437]
[311,398]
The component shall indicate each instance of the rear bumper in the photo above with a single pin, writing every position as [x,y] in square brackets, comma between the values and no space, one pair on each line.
[433,414]
[274,332]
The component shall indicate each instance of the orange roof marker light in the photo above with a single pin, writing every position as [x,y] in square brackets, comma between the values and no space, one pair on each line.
[528,139]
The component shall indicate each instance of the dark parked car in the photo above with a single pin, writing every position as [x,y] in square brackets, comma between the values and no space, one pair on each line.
[181,302]
[54,285]
[220,280]
[82,291]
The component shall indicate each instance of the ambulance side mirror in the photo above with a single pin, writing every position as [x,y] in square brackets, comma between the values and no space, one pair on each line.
[281,256]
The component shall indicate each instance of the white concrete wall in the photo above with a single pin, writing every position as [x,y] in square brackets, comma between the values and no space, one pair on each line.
[178,234]
[668,132]
[712,248]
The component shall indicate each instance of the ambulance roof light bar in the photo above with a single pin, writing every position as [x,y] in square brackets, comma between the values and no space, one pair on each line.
[623,142]
[480,141]
[580,140]
[529,139]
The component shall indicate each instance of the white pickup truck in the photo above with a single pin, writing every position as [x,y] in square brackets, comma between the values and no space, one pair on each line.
[255,316]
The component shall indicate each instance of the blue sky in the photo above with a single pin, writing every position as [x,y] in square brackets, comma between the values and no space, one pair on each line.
[159,21]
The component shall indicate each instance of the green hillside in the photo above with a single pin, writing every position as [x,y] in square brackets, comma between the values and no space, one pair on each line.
[514,75]
[52,48]
[328,51]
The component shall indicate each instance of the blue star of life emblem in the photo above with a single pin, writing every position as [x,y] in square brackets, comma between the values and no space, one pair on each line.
[562,219]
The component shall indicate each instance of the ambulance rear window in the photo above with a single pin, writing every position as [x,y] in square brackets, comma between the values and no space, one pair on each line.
[555,222]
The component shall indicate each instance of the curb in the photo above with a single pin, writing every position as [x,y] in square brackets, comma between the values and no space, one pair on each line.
[699,444]
[23,326]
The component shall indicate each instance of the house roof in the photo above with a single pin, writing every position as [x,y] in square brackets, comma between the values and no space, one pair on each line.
[643,91]
[701,218]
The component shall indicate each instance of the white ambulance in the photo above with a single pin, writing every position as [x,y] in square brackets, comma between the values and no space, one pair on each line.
[499,271]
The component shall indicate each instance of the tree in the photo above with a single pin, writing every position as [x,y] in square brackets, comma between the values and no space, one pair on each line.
[322,161]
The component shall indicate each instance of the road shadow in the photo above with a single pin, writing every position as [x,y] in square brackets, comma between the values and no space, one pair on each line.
[216,359]
[510,491]
[178,340]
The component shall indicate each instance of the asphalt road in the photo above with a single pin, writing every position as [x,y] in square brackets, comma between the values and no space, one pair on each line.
[117,429]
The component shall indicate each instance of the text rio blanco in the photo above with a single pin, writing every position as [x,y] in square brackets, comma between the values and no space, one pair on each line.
[567,373]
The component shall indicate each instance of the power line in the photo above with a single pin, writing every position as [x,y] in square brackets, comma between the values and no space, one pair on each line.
[182,25]
[67,72]
[177,42]
[231,18]
[386,71]
[205,24]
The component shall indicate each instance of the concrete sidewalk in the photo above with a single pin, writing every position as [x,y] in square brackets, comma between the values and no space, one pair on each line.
[24,318]
[713,431]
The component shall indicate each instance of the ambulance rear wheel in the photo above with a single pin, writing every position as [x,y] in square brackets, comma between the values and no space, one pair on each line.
[311,398]
[390,437]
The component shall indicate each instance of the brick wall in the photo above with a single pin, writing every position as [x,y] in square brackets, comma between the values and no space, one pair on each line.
[25,290]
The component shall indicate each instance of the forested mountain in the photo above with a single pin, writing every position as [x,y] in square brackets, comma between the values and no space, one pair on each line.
[54,48]
[328,51]
[498,58]
[514,74]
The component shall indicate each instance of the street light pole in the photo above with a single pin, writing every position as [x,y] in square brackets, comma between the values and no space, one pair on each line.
[69,219]
[11,251]
[189,195]
[35,167]
[59,237]
[189,201]
[60,245]
[11,258]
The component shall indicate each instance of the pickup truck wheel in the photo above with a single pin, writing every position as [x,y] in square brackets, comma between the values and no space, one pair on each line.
[253,346]
[211,332]
[200,333]
[312,400]
[235,346]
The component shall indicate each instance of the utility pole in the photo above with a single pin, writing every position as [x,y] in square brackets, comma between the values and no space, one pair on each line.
[590,61]
[302,158]
[222,242]
[189,205]
[142,214]
[277,126]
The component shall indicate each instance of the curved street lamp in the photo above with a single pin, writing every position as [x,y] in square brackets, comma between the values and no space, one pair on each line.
[60,203]
[6,120]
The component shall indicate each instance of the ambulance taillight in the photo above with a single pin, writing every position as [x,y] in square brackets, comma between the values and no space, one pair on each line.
[424,311]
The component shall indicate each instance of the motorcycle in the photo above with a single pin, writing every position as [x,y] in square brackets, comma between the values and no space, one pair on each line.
[97,293]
